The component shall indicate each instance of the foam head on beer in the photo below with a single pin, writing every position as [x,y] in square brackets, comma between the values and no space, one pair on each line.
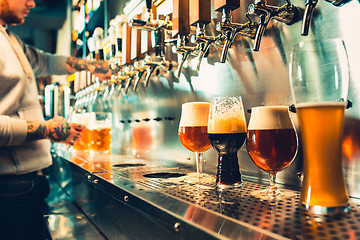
[195,114]
[227,119]
[270,117]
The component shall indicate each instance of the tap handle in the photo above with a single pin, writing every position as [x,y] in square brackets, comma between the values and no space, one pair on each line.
[308,13]
[180,18]
[148,4]
[200,12]
[219,5]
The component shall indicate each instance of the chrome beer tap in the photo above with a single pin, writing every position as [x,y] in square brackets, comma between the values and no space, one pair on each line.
[287,13]
[203,42]
[139,70]
[229,30]
[183,50]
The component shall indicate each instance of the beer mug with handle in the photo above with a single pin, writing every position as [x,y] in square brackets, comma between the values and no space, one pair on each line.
[319,80]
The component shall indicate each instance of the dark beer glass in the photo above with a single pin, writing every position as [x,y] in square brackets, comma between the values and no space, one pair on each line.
[227,133]
[193,132]
[272,144]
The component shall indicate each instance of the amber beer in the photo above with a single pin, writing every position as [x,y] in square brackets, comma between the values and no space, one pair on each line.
[83,143]
[193,131]
[272,140]
[194,138]
[101,139]
[322,130]
[193,126]
[100,125]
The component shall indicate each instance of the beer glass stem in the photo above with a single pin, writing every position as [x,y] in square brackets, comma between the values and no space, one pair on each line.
[272,186]
[198,159]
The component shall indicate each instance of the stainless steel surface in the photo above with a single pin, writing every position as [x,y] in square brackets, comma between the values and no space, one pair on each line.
[163,190]
[261,78]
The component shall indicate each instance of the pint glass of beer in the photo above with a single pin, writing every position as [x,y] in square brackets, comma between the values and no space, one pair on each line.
[319,79]
[227,133]
[193,131]
[100,126]
[83,143]
[272,144]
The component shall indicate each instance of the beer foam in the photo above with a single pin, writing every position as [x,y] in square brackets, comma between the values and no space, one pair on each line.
[195,114]
[320,104]
[270,117]
[228,124]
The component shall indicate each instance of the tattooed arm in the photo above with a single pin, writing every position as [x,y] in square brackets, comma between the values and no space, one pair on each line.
[100,69]
[56,129]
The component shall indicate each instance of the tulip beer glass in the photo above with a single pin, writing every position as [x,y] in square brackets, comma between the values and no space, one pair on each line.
[319,79]
[100,126]
[193,131]
[272,144]
[227,133]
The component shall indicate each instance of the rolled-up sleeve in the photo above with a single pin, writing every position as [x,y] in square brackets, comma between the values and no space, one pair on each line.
[12,131]
[44,63]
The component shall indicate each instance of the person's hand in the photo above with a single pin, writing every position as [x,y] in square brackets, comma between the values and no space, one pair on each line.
[61,131]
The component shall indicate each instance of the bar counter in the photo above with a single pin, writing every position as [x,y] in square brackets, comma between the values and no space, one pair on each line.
[131,198]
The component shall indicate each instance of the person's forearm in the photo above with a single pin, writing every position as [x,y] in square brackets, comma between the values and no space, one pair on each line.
[79,64]
[55,130]
[36,130]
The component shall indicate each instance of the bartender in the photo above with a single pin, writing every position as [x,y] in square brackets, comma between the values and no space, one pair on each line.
[24,135]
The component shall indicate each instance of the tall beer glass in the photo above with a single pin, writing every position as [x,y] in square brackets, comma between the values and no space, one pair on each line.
[193,131]
[227,133]
[319,79]
[272,144]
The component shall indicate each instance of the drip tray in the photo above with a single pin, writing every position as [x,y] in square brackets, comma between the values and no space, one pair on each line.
[164,175]
[126,165]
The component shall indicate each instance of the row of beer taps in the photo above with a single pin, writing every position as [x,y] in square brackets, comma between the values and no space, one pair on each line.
[128,72]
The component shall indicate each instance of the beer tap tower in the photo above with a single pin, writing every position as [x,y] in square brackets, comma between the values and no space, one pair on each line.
[228,29]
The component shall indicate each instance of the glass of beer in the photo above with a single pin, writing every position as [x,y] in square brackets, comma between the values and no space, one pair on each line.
[83,143]
[193,131]
[100,126]
[272,144]
[319,80]
[227,133]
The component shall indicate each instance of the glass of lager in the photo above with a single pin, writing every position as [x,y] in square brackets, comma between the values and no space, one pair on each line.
[100,126]
[193,131]
[319,79]
[227,133]
[272,144]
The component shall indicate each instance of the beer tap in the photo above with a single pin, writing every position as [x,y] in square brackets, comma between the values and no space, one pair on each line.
[157,28]
[229,30]
[200,16]
[180,32]
[287,13]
